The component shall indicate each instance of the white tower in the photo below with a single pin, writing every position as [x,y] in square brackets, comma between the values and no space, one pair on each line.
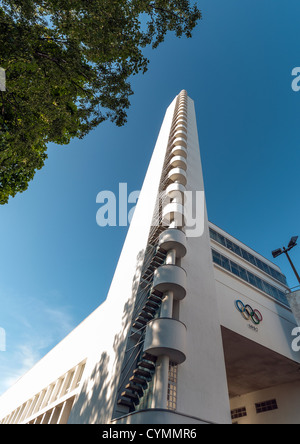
[152,352]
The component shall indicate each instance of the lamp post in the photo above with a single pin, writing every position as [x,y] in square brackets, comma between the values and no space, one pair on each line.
[279,251]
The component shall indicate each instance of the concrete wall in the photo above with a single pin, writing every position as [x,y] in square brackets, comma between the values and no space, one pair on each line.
[288,401]
[274,332]
[294,301]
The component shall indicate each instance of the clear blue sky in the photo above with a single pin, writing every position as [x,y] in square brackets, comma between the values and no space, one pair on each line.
[56,263]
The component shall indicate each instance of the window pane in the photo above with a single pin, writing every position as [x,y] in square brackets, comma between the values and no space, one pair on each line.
[229,245]
[237,250]
[235,268]
[225,263]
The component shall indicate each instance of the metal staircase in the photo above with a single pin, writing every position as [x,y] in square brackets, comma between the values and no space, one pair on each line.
[143,364]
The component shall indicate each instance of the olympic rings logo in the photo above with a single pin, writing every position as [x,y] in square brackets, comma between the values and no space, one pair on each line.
[248,313]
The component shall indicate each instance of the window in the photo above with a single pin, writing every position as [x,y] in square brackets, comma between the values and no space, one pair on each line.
[247,256]
[238,413]
[172,387]
[266,406]
[217,257]
[249,277]
[252,259]
[229,245]
[225,263]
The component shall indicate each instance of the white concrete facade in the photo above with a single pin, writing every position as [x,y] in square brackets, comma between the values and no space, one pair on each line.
[186,335]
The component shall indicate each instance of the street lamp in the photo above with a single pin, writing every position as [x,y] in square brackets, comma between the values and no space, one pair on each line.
[279,251]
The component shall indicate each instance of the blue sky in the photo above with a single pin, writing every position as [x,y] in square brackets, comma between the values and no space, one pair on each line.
[56,263]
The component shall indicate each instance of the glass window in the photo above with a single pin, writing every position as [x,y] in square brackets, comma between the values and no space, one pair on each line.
[221,239]
[235,268]
[237,249]
[216,257]
[249,277]
[213,234]
[266,406]
[252,279]
[172,387]
[229,245]
[244,274]
[259,283]
[245,255]
[252,259]
[225,263]
[266,268]
[238,413]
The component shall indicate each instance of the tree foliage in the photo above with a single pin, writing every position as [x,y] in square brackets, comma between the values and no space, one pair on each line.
[68,65]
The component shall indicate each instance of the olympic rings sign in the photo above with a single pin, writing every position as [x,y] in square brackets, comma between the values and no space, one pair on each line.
[248,313]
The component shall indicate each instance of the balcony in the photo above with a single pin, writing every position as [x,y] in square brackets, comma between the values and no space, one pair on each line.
[178,162]
[176,191]
[178,175]
[179,151]
[170,278]
[173,239]
[166,336]
[173,213]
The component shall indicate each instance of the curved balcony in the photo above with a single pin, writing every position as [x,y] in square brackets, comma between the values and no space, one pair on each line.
[180,120]
[182,107]
[176,191]
[180,133]
[178,162]
[179,141]
[166,336]
[173,213]
[179,151]
[170,278]
[178,175]
[173,239]
[181,113]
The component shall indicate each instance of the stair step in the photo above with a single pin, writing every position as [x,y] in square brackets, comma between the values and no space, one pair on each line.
[138,380]
[135,388]
[141,320]
[149,310]
[152,304]
[149,357]
[137,325]
[142,372]
[126,402]
[146,315]
[154,298]
[130,395]
[147,364]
